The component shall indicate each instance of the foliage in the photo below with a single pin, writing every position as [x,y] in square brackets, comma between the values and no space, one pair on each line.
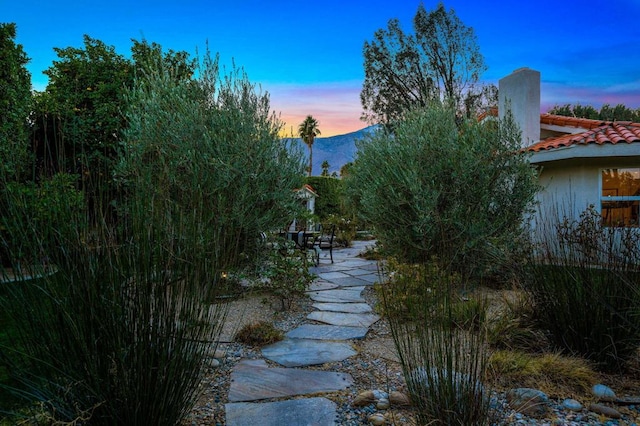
[330,195]
[221,150]
[46,208]
[259,334]
[85,110]
[118,331]
[433,188]
[308,130]
[287,273]
[550,372]
[607,113]
[443,364]
[441,60]
[345,229]
[584,280]
[15,104]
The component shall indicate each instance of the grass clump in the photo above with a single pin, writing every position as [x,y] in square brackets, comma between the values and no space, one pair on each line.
[584,281]
[259,334]
[441,344]
[552,373]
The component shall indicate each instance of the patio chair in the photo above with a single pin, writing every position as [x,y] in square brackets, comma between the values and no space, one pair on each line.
[325,241]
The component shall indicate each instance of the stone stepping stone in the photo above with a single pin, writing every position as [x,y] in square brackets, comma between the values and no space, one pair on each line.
[351,294]
[371,278]
[303,352]
[359,271]
[352,308]
[322,285]
[327,332]
[345,319]
[252,380]
[295,412]
[351,281]
[330,276]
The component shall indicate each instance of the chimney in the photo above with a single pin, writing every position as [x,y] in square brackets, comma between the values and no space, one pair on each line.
[520,92]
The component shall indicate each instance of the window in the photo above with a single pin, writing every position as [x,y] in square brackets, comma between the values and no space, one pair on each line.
[620,197]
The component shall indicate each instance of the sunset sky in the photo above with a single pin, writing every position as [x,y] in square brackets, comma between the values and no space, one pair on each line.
[308,54]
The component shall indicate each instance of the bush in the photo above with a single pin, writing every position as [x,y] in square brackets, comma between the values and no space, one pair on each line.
[436,188]
[286,273]
[119,331]
[330,196]
[584,280]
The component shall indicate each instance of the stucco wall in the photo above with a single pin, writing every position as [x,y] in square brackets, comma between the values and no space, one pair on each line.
[570,186]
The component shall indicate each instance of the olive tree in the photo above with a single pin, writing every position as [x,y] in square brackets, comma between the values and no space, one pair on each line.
[439,60]
[438,188]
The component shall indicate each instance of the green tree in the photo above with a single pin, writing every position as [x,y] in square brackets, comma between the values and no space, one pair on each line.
[606,113]
[308,130]
[441,60]
[325,168]
[84,112]
[444,189]
[15,104]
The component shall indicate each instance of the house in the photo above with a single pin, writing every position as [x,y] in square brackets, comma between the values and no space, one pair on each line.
[307,196]
[582,162]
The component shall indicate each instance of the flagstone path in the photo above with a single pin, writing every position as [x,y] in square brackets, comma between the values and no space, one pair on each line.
[341,316]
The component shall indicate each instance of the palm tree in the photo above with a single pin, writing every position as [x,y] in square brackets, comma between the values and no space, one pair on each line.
[308,130]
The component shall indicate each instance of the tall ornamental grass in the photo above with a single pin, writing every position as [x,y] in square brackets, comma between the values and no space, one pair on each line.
[441,342]
[584,279]
[115,323]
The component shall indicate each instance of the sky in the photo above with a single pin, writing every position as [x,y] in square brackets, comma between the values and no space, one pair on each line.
[308,54]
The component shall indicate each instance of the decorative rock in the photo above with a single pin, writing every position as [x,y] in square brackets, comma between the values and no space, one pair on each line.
[214,363]
[382,404]
[399,399]
[606,411]
[378,394]
[603,392]
[364,398]
[530,402]
[377,419]
[572,405]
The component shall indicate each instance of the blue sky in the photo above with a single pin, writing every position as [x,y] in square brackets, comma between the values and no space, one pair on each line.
[308,55]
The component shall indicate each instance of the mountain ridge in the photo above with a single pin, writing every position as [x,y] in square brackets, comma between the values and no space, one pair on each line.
[337,150]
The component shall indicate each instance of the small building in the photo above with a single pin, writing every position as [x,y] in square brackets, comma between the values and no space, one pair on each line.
[582,162]
[307,195]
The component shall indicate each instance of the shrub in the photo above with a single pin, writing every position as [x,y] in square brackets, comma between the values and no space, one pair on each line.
[443,364]
[584,280]
[259,334]
[330,196]
[119,331]
[286,272]
[436,188]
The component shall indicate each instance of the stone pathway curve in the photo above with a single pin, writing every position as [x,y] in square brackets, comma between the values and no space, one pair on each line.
[341,315]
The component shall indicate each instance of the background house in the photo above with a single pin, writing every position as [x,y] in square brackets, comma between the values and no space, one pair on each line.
[582,162]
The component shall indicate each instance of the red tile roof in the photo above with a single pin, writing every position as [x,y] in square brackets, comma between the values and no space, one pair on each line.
[596,131]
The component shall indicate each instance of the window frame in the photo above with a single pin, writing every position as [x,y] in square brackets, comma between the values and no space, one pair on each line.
[613,198]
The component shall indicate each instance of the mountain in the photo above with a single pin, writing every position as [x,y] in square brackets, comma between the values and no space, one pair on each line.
[337,150]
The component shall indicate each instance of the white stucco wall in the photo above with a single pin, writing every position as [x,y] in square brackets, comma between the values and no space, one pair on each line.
[570,186]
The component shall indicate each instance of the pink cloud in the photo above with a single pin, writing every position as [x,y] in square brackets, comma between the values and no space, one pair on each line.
[336,106]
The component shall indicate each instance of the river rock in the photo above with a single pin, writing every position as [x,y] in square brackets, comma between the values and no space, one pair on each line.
[382,404]
[377,419]
[364,398]
[399,399]
[378,394]
[612,413]
[530,402]
[572,405]
[603,392]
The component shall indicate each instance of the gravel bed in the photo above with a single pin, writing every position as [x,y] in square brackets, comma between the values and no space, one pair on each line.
[375,367]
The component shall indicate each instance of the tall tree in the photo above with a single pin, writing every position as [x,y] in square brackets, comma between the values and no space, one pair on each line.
[308,130]
[15,104]
[607,112]
[325,168]
[440,60]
